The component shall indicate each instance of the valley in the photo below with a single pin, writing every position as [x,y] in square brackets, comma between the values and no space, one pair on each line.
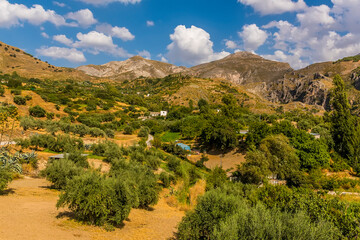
[141,149]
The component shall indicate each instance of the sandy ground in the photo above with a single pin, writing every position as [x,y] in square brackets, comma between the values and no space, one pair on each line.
[27,211]
[229,160]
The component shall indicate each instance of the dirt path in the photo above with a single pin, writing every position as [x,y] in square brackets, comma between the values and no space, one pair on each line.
[28,212]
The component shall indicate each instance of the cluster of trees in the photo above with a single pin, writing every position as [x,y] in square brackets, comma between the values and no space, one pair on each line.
[65,126]
[57,143]
[238,211]
[103,198]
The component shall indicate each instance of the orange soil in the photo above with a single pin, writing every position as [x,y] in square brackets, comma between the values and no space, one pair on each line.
[28,212]
[228,160]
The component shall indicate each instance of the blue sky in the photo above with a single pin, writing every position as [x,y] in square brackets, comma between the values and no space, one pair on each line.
[183,32]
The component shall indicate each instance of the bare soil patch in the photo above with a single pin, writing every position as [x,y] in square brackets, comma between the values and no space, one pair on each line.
[228,160]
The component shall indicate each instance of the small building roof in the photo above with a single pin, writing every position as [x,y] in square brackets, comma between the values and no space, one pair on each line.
[184,146]
[63,155]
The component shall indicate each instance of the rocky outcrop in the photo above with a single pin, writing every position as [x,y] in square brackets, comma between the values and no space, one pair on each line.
[132,68]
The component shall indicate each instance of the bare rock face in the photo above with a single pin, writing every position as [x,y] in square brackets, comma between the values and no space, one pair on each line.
[242,68]
[132,68]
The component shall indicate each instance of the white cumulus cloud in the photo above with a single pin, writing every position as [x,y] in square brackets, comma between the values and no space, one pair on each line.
[119,32]
[83,18]
[253,37]
[17,14]
[70,54]
[105,2]
[231,44]
[96,42]
[144,53]
[63,39]
[192,46]
[322,33]
[266,7]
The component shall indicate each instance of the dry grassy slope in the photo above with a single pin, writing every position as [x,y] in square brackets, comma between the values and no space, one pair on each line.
[242,68]
[211,90]
[36,100]
[14,59]
[132,68]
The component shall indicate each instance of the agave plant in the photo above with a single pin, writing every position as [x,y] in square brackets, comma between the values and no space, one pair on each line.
[12,162]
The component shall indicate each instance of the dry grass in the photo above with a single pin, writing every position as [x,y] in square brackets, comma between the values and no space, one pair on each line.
[228,160]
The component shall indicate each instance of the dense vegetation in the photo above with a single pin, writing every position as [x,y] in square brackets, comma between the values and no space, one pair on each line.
[278,147]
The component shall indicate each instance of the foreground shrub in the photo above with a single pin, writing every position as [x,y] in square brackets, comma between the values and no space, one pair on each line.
[96,199]
[5,178]
[58,172]
[141,181]
[224,214]
[261,223]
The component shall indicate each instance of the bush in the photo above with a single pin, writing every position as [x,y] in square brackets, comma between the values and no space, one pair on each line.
[144,132]
[19,100]
[109,133]
[28,97]
[77,158]
[110,150]
[50,116]
[165,179]
[2,91]
[261,223]
[128,130]
[5,178]
[37,111]
[58,172]
[216,178]
[15,91]
[96,199]
[141,180]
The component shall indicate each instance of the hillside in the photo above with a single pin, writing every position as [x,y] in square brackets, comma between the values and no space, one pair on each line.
[14,59]
[243,68]
[132,68]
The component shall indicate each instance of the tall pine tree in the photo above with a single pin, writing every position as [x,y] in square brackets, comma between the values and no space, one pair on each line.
[344,129]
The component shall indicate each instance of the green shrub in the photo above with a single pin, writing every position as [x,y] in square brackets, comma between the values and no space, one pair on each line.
[37,111]
[28,97]
[165,179]
[15,91]
[96,199]
[76,157]
[50,115]
[144,132]
[2,91]
[128,130]
[216,178]
[58,172]
[141,180]
[19,100]
[110,150]
[109,133]
[261,223]
[5,178]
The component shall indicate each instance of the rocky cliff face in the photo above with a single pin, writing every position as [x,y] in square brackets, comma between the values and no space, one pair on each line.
[132,68]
